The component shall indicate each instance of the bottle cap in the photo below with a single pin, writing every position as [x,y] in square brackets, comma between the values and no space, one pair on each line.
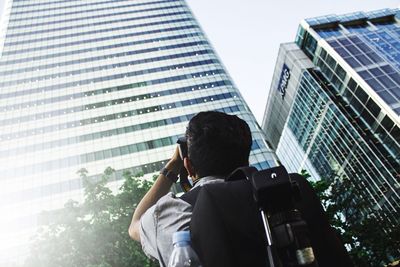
[181,236]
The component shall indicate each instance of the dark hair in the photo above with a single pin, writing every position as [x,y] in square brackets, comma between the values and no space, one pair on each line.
[218,143]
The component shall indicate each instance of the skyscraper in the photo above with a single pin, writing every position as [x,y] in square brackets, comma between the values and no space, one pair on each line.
[98,83]
[334,104]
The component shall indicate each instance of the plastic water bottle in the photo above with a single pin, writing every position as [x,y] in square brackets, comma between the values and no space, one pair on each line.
[183,255]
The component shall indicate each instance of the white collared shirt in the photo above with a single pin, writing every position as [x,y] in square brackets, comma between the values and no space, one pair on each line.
[169,215]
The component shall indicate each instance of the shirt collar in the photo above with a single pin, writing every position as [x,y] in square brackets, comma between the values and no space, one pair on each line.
[209,179]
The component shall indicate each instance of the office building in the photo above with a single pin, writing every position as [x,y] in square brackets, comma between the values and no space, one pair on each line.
[98,83]
[334,104]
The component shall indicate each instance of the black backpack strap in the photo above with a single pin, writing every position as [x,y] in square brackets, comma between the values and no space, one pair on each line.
[238,174]
[191,196]
[241,173]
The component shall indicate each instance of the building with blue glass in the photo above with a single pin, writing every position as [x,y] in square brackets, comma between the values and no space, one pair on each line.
[334,104]
[94,84]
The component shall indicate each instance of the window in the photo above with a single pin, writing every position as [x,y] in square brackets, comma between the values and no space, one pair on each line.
[373,107]
[361,95]
[387,123]
[388,98]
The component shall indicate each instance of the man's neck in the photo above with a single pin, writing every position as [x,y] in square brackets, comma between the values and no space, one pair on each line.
[207,179]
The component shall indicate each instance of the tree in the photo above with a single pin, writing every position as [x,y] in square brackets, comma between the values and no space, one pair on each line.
[370,237]
[95,232]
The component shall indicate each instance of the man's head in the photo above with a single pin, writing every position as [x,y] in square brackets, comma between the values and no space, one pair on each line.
[218,143]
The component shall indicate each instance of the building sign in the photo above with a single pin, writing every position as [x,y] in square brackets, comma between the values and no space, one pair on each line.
[284,80]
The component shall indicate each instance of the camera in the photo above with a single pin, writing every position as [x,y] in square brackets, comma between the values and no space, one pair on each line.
[183,175]
[183,149]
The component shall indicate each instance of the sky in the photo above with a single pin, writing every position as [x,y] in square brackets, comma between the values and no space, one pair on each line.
[247,34]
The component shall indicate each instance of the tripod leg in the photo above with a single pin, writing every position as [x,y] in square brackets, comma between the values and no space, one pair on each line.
[267,228]
[273,258]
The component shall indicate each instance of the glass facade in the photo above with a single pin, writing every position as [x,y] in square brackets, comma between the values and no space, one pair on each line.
[344,116]
[97,84]
[370,45]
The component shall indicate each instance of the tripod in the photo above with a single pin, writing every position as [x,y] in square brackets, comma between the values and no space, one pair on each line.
[287,235]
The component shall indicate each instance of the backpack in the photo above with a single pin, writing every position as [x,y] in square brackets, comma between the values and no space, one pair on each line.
[227,228]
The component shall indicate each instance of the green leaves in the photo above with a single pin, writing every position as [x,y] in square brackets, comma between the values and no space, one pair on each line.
[93,233]
[371,239]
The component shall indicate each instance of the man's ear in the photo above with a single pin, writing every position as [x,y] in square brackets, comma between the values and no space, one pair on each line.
[189,167]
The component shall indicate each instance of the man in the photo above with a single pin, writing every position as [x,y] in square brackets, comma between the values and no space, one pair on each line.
[218,143]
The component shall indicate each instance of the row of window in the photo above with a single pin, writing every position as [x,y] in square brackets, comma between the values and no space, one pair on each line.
[362,98]
[387,42]
[357,98]
[330,32]
[102,57]
[363,162]
[92,24]
[17,12]
[381,193]
[360,172]
[103,134]
[339,141]
[309,44]
[98,155]
[113,66]
[116,116]
[381,79]
[60,112]
[355,52]
[84,18]
[76,184]
[46,3]
[366,56]
[85,50]
[92,136]
[357,29]
[112,29]
[113,77]
[42,3]
[382,133]
[89,157]
[322,20]
[365,28]
[311,103]
[56,99]
[365,114]
[333,146]
[384,39]
[88,11]
[385,71]
[60,54]
[331,70]
[390,95]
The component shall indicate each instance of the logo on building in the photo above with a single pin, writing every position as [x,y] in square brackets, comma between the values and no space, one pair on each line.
[284,80]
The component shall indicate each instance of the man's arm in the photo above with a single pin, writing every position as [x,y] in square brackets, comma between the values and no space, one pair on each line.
[160,188]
